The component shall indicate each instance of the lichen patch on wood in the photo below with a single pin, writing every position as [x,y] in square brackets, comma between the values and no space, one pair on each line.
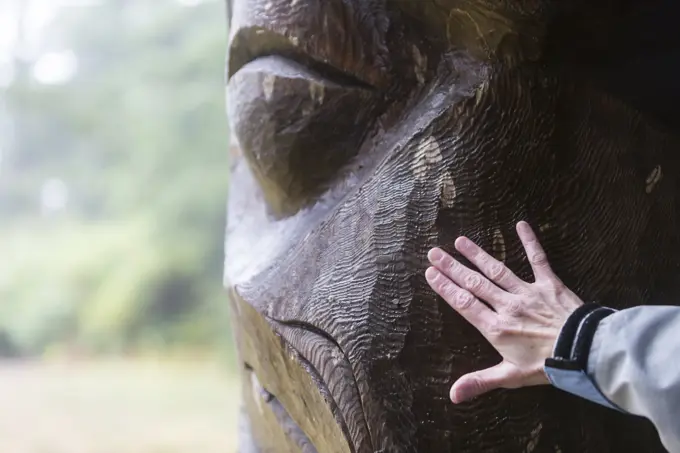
[268,82]
[427,155]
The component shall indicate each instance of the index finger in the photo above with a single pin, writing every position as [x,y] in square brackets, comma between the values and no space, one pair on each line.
[461,300]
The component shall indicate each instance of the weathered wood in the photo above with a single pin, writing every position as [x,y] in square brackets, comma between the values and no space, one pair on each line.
[372,130]
[279,392]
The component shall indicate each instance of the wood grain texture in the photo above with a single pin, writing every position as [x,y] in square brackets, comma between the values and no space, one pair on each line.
[332,313]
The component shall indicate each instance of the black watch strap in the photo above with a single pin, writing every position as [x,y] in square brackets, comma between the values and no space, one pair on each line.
[567,369]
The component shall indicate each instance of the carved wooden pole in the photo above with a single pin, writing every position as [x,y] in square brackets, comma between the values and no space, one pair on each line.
[369,131]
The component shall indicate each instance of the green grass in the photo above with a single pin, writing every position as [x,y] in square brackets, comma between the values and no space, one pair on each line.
[117,407]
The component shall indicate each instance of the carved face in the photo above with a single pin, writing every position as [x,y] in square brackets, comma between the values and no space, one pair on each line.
[369,131]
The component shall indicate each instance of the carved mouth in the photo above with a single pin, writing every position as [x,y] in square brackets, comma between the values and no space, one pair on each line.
[305,407]
[322,357]
[292,429]
[284,417]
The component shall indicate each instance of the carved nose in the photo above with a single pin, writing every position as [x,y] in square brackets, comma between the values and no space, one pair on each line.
[296,128]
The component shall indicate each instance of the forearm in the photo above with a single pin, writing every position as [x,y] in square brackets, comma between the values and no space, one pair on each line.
[628,360]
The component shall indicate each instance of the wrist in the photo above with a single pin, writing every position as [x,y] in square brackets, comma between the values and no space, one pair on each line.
[572,345]
[565,337]
[567,368]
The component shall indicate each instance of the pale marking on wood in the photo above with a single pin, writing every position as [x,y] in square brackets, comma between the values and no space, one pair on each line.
[316,92]
[535,437]
[498,245]
[481,34]
[448,190]
[653,178]
[479,93]
[427,156]
[268,86]
[482,31]
[294,40]
[420,67]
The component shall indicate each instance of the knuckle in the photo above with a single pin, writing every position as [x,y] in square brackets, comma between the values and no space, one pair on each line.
[479,384]
[450,265]
[497,271]
[437,282]
[539,259]
[473,281]
[514,307]
[463,300]
[446,290]
[524,290]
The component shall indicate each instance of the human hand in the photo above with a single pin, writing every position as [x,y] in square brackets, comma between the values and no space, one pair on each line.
[524,319]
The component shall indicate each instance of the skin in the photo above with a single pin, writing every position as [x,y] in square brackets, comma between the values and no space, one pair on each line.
[521,320]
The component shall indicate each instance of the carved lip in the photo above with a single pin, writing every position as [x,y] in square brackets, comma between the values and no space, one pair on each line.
[359,437]
[252,43]
[268,351]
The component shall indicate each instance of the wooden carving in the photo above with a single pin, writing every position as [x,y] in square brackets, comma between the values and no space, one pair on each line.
[369,131]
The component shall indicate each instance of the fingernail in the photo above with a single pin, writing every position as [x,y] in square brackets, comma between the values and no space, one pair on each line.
[435,255]
[431,274]
[463,243]
[524,226]
[456,397]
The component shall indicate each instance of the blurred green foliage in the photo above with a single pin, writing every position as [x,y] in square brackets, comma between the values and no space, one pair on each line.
[139,137]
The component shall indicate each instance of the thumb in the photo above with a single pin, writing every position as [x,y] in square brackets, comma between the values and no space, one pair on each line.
[472,385]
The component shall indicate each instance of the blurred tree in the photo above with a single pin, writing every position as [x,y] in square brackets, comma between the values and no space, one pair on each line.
[112,197]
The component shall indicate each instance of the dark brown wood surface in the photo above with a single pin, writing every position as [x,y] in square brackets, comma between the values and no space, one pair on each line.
[369,131]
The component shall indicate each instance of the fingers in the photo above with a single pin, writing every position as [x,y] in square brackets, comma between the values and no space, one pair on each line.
[491,267]
[537,257]
[473,310]
[472,281]
[472,385]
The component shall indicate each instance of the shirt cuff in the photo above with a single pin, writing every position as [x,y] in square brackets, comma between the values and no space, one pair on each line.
[567,369]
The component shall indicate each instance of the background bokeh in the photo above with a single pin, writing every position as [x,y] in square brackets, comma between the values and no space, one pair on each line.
[114,331]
